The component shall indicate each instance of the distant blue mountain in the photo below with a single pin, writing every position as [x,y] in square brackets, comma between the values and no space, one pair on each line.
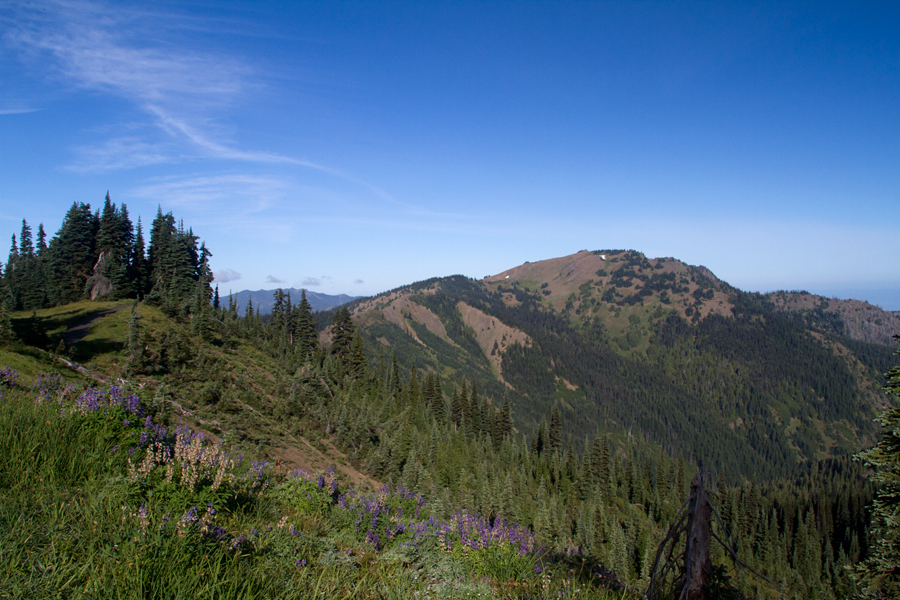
[265,299]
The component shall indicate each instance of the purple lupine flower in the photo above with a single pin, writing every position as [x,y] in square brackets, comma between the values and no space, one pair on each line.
[8,377]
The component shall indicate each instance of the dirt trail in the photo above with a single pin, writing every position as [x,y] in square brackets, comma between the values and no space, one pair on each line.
[80,328]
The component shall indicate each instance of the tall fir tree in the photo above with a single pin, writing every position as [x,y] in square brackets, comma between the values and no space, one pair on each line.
[879,574]
[140,266]
[305,334]
[342,330]
[71,255]
[555,433]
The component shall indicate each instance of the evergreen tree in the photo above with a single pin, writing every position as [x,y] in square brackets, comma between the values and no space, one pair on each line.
[456,408]
[174,265]
[305,334]
[115,245]
[24,278]
[7,334]
[879,574]
[134,343]
[600,464]
[413,386]
[140,266]
[71,255]
[342,330]
[358,364]
[26,246]
[473,414]
[41,246]
[555,434]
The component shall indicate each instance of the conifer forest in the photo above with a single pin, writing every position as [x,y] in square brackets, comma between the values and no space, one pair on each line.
[533,435]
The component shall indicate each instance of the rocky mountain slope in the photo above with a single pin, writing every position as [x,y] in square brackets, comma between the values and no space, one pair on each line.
[652,348]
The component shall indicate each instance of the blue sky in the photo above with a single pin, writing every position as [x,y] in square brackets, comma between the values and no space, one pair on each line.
[352,147]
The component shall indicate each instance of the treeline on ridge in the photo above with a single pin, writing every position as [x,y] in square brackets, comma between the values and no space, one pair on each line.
[102,255]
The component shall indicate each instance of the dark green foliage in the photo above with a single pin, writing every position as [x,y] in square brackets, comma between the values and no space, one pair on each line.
[135,348]
[7,334]
[305,335]
[140,266]
[555,431]
[72,254]
[879,574]
[113,276]
[24,284]
[99,255]
[175,267]
[342,332]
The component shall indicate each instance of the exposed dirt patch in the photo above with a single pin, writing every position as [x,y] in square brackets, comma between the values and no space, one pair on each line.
[569,386]
[490,331]
[289,451]
[402,310]
[300,454]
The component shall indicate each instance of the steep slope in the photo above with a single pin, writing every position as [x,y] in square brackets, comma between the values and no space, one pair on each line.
[225,389]
[855,319]
[651,348]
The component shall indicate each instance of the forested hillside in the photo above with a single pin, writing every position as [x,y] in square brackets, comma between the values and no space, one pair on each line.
[654,350]
[579,410]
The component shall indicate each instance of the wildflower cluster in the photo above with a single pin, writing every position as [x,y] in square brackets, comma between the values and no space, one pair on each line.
[386,515]
[172,474]
[51,387]
[8,377]
[102,400]
[192,522]
[501,550]
[475,532]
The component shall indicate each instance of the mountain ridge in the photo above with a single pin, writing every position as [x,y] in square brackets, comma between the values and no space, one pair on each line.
[620,341]
[263,299]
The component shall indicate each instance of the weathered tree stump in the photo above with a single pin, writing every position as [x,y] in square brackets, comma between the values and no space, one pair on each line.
[697,564]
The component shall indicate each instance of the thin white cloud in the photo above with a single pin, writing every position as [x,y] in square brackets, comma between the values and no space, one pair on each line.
[358,281]
[273,279]
[226,275]
[119,153]
[312,282]
[94,46]
[99,47]
[237,194]
[177,127]
[17,111]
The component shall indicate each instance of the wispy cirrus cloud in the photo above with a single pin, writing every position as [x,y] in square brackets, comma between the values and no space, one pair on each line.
[17,111]
[273,279]
[243,193]
[120,153]
[103,47]
[99,47]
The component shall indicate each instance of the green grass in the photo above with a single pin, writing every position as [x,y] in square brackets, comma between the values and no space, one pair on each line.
[82,516]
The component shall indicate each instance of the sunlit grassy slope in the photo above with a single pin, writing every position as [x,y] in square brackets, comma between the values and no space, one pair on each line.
[101,501]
